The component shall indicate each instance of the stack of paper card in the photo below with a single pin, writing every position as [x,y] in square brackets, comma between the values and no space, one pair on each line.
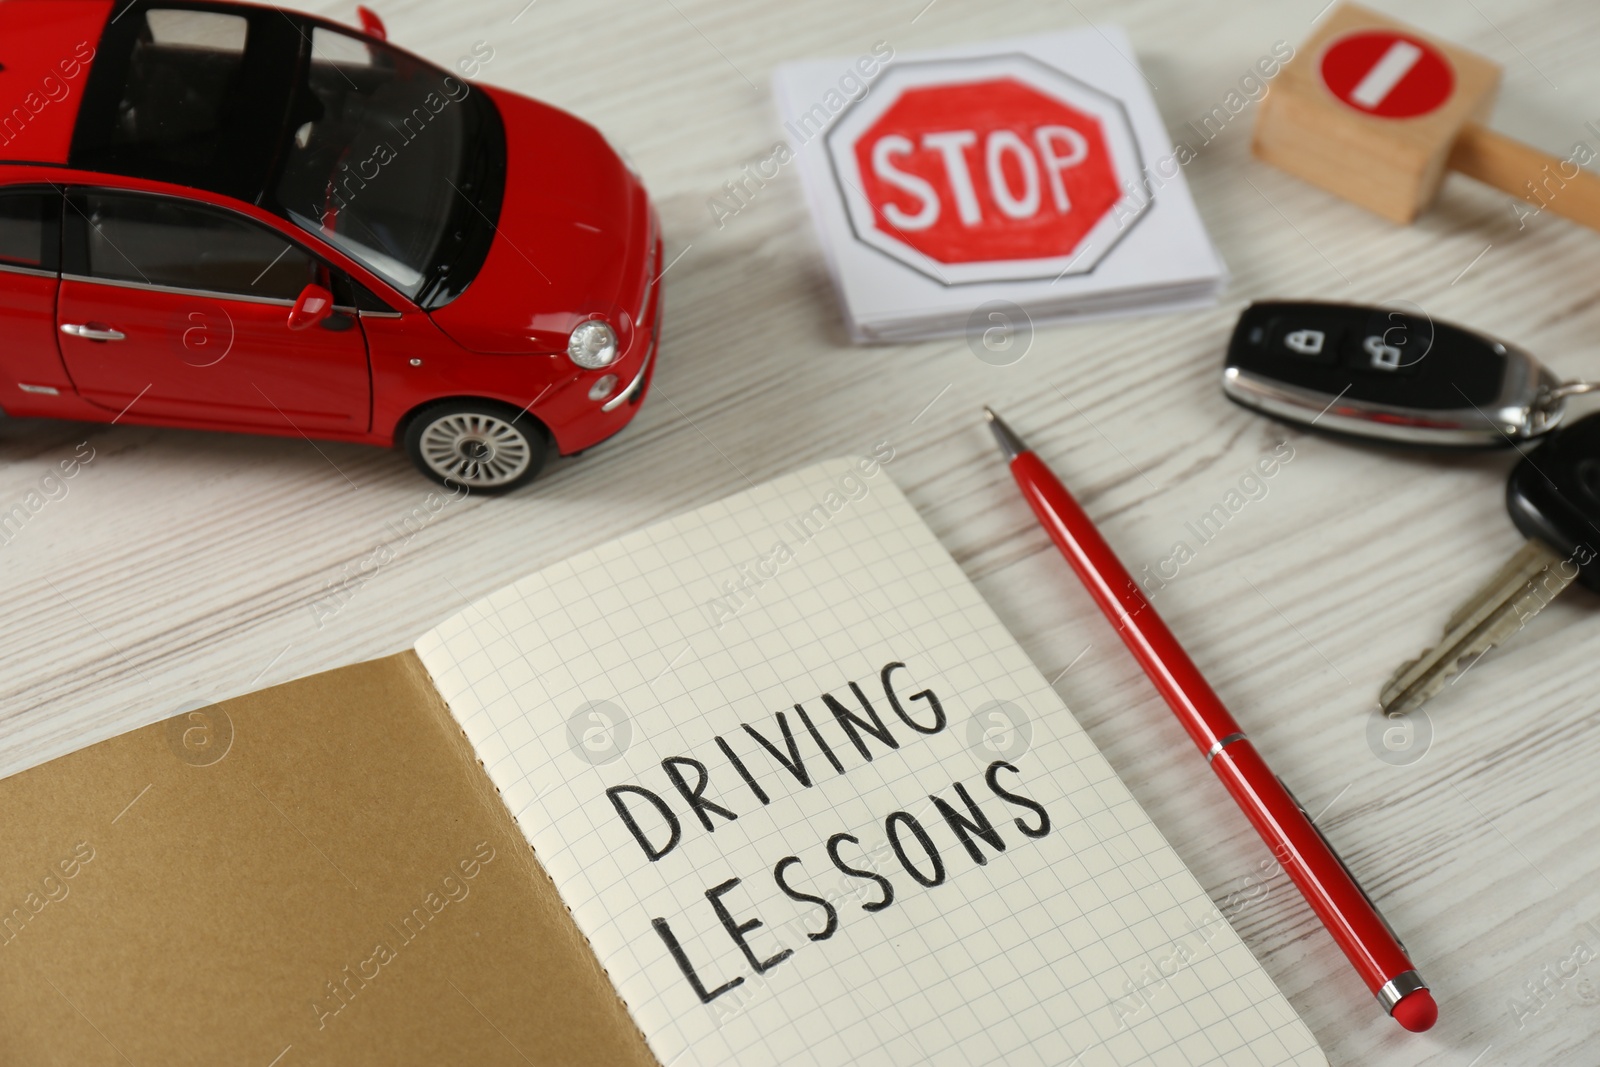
[960,189]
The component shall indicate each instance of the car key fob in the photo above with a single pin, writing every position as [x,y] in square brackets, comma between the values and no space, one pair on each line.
[1390,375]
[1554,497]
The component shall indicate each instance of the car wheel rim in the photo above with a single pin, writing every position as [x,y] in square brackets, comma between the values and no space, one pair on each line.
[475,450]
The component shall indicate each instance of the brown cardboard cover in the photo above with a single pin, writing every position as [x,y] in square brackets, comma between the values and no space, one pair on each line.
[294,877]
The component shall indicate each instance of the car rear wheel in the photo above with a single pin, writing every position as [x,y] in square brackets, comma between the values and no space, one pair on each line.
[478,444]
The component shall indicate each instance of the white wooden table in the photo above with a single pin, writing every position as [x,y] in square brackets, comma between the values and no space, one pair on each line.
[183,567]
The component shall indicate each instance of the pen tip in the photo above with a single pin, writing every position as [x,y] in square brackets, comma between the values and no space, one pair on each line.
[1010,444]
[1417,1011]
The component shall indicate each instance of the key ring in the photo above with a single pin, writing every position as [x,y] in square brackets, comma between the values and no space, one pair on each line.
[1548,407]
[1561,392]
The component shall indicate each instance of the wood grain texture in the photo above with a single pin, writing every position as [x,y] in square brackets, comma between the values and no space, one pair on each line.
[184,567]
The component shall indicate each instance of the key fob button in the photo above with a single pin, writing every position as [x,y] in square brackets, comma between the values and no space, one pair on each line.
[1309,340]
[1589,479]
[1383,352]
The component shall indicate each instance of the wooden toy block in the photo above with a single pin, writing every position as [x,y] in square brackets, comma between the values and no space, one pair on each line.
[1377,112]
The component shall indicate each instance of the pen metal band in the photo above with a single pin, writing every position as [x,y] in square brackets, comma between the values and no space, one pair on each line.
[1219,745]
[1398,987]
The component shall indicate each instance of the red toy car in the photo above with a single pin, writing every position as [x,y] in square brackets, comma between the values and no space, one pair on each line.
[233,217]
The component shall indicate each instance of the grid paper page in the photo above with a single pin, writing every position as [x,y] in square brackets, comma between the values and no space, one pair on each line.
[983,889]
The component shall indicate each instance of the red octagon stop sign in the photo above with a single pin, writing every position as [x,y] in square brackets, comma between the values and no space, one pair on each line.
[990,169]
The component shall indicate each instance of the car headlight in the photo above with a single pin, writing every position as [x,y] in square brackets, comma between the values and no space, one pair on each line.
[593,345]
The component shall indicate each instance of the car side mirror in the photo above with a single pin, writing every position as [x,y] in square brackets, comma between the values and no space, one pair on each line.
[314,305]
[371,24]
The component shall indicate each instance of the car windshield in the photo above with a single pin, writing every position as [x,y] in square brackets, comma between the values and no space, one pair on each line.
[395,162]
[379,169]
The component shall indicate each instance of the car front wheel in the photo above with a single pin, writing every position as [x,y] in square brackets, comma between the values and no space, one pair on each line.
[478,444]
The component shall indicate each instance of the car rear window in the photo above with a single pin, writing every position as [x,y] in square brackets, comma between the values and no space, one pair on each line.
[22,228]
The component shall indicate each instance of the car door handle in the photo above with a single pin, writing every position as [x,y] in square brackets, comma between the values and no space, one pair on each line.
[91,332]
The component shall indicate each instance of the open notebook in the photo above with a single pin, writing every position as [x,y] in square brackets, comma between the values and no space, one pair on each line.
[793,795]
[810,803]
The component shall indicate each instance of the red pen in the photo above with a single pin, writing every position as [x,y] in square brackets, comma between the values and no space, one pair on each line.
[1328,886]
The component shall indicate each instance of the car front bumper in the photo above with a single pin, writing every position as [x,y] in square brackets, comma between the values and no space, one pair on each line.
[578,423]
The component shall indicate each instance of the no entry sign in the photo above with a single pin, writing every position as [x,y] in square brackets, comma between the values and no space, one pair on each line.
[990,169]
[1389,74]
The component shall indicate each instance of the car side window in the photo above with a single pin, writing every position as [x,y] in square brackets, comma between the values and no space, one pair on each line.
[22,230]
[157,240]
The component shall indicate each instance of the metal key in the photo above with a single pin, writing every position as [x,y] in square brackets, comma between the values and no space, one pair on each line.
[1390,375]
[1554,499]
